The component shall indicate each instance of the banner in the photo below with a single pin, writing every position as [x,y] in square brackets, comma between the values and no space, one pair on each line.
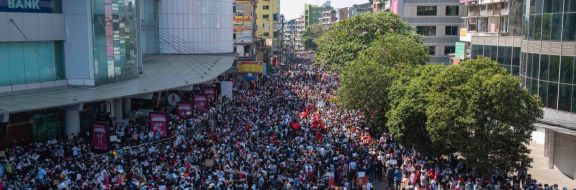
[159,123]
[250,67]
[226,89]
[210,92]
[201,101]
[250,77]
[100,136]
[185,109]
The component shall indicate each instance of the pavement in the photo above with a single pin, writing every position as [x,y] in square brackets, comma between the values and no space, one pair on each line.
[540,170]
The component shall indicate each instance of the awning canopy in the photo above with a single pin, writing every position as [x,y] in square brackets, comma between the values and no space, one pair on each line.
[162,72]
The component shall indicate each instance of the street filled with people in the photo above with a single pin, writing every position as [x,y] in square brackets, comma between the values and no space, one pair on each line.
[283,131]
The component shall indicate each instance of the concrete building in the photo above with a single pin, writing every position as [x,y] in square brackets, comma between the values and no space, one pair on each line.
[312,13]
[437,20]
[244,27]
[342,14]
[65,61]
[535,40]
[327,18]
[380,5]
[357,9]
[300,26]
[268,15]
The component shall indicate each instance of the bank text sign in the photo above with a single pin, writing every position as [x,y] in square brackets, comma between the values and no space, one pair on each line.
[31,6]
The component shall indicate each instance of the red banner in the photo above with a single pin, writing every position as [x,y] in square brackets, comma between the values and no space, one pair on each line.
[210,92]
[159,123]
[100,136]
[185,109]
[201,101]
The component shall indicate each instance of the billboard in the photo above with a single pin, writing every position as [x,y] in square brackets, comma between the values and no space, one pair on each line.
[185,109]
[243,22]
[250,67]
[460,50]
[100,136]
[159,123]
[201,101]
[29,6]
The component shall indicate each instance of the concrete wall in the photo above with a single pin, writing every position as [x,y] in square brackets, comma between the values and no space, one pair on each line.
[565,154]
[35,26]
[78,44]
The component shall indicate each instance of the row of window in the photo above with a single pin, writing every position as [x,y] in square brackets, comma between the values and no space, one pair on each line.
[31,62]
[508,57]
[433,11]
[447,50]
[431,30]
[554,26]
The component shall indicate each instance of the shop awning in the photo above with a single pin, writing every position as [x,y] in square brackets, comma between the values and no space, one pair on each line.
[162,72]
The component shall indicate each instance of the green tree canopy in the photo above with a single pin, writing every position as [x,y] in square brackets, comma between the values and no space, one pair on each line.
[407,114]
[310,34]
[365,82]
[482,112]
[342,43]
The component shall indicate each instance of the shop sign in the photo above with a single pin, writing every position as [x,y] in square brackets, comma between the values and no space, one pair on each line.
[32,6]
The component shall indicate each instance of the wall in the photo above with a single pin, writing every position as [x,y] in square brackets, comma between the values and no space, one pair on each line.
[564,154]
[196,26]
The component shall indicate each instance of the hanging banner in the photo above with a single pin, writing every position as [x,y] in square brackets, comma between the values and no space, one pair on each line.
[100,136]
[159,123]
[250,67]
[226,89]
[201,101]
[185,109]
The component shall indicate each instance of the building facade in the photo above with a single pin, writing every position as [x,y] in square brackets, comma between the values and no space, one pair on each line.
[535,40]
[312,13]
[437,20]
[267,16]
[357,9]
[244,27]
[327,18]
[342,14]
[68,60]
[300,27]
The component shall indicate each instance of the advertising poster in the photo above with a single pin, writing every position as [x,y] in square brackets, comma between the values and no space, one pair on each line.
[250,67]
[159,123]
[185,109]
[210,92]
[201,101]
[100,136]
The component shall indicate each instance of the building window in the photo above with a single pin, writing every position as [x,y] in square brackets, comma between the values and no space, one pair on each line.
[426,11]
[265,7]
[452,10]
[432,50]
[451,31]
[426,30]
[449,50]
[266,34]
[265,16]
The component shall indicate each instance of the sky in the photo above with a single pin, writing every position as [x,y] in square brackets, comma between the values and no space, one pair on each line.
[294,8]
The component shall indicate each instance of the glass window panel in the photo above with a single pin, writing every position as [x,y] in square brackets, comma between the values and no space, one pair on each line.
[569,27]
[546,26]
[557,6]
[16,59]
[556,30]
[564,101]
[566,73]
[554,68]
[515,70]
[494,50]
[515,57]
[547,6]
[452,10]
[529,85]
[474,51]
[538,6]
[537,27]
[543,92]
[426,11]
[31,62]
[4,64]
[553,95]
[426,30]
[532,6]
[46,62]
[534,89]
[570,6]
[544,68]
[573,99]
[535,65]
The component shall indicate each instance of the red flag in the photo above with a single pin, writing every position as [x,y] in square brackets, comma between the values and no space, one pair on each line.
[318,136]
[295,125]
[246,127]
[306,111]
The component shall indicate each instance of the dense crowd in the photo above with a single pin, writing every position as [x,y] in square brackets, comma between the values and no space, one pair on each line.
[280,132]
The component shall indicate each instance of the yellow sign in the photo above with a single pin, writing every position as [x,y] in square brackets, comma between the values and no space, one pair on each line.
[463,32]
[250,67]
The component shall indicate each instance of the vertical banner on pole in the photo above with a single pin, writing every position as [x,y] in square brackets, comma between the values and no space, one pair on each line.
[226,89]
[159,123]
[210,92]
[201,101]
[185,110]
[100,136]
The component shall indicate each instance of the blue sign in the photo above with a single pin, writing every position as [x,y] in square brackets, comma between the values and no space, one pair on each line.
[31,6]
[250,77]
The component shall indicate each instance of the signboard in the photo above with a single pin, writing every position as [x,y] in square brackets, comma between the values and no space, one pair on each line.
[250,77]
[250,67]
[30,6]
[201,101]
[159,123]
[210,92]
[394,7]
[460,50]
[243,22]
[100,136]
[172,99]
[185,109]
[226,89]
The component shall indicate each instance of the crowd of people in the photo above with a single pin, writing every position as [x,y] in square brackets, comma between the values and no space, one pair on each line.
[280,132]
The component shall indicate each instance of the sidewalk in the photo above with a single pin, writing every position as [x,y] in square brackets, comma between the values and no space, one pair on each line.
[541,172]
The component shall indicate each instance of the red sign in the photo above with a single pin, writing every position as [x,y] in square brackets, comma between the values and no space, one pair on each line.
[210,92]
[159,123]
[201,101]
[100,136]
[185,109]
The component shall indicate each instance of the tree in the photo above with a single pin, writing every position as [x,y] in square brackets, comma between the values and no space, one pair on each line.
[482,112]
[407,114]
[342,43]
[310,34]
[365,82]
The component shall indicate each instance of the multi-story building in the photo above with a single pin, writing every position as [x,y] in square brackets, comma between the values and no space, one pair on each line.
[268,15]
[437,20]
[244,27]
[342,14]
[63,62]
[380,5]
[357,9]
[289,34]
[300,26]
[312,13]
[327,18]
[535,40]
